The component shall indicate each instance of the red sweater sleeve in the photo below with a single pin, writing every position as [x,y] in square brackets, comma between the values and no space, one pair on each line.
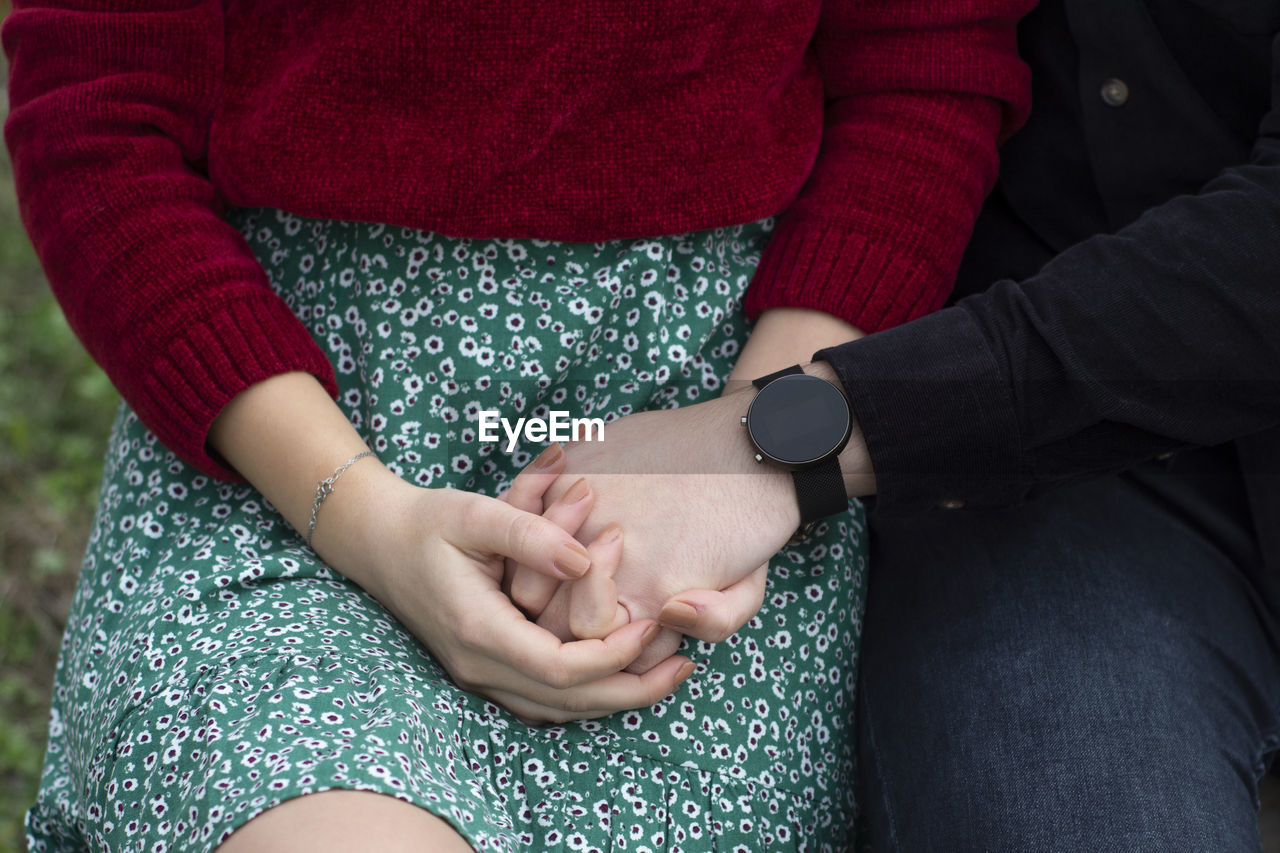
[918,94]
[111,103]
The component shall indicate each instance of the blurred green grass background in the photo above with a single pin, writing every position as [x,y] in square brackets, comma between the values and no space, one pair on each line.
[55,412]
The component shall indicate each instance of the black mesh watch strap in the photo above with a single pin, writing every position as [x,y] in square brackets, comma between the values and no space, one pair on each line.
[820,492]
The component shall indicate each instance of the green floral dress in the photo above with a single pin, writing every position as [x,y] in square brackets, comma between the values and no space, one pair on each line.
[213,667]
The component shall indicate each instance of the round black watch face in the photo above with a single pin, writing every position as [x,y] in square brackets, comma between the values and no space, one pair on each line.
[799,420]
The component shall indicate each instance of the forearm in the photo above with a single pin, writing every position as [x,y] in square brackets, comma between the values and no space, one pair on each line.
[786,336]
[284,435]
[110,106]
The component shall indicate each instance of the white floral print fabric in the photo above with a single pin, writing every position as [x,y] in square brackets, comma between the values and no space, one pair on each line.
[213,667]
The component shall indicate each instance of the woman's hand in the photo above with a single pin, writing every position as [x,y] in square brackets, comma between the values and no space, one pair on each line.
[434,557]
[436,562]
[596,611]
[697,511]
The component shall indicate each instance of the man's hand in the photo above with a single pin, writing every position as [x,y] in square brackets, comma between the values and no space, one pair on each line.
[435,560]
[698,514]
[701,519]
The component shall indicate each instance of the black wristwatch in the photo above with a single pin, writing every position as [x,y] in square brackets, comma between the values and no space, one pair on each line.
[801,423]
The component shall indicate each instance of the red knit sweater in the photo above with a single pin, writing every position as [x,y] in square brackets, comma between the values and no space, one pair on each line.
[871,125]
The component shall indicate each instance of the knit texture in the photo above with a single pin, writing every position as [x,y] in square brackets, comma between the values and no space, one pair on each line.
[871,127]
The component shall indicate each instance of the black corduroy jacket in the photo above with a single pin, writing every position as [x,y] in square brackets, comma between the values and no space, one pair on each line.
[1121,296]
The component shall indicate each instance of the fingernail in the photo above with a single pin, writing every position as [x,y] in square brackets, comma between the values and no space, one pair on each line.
[685,671]
[678,614]
[572,560]
[611,533]
[549,457]
[576,492]
[650,633]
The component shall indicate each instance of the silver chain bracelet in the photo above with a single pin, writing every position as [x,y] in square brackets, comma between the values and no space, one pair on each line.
[324,488]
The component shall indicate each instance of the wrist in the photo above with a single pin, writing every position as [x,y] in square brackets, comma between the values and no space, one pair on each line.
[774,486]
[357,524]
[813,489]
[786,336]
[706,443]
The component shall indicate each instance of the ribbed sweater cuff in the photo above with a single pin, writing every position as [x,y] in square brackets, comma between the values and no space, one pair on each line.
[214,358]
[863,279]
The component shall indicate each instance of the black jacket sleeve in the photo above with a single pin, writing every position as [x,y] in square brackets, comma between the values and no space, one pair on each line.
[1163,335]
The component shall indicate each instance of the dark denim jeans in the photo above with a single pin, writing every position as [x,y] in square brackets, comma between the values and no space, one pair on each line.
[1095,670]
